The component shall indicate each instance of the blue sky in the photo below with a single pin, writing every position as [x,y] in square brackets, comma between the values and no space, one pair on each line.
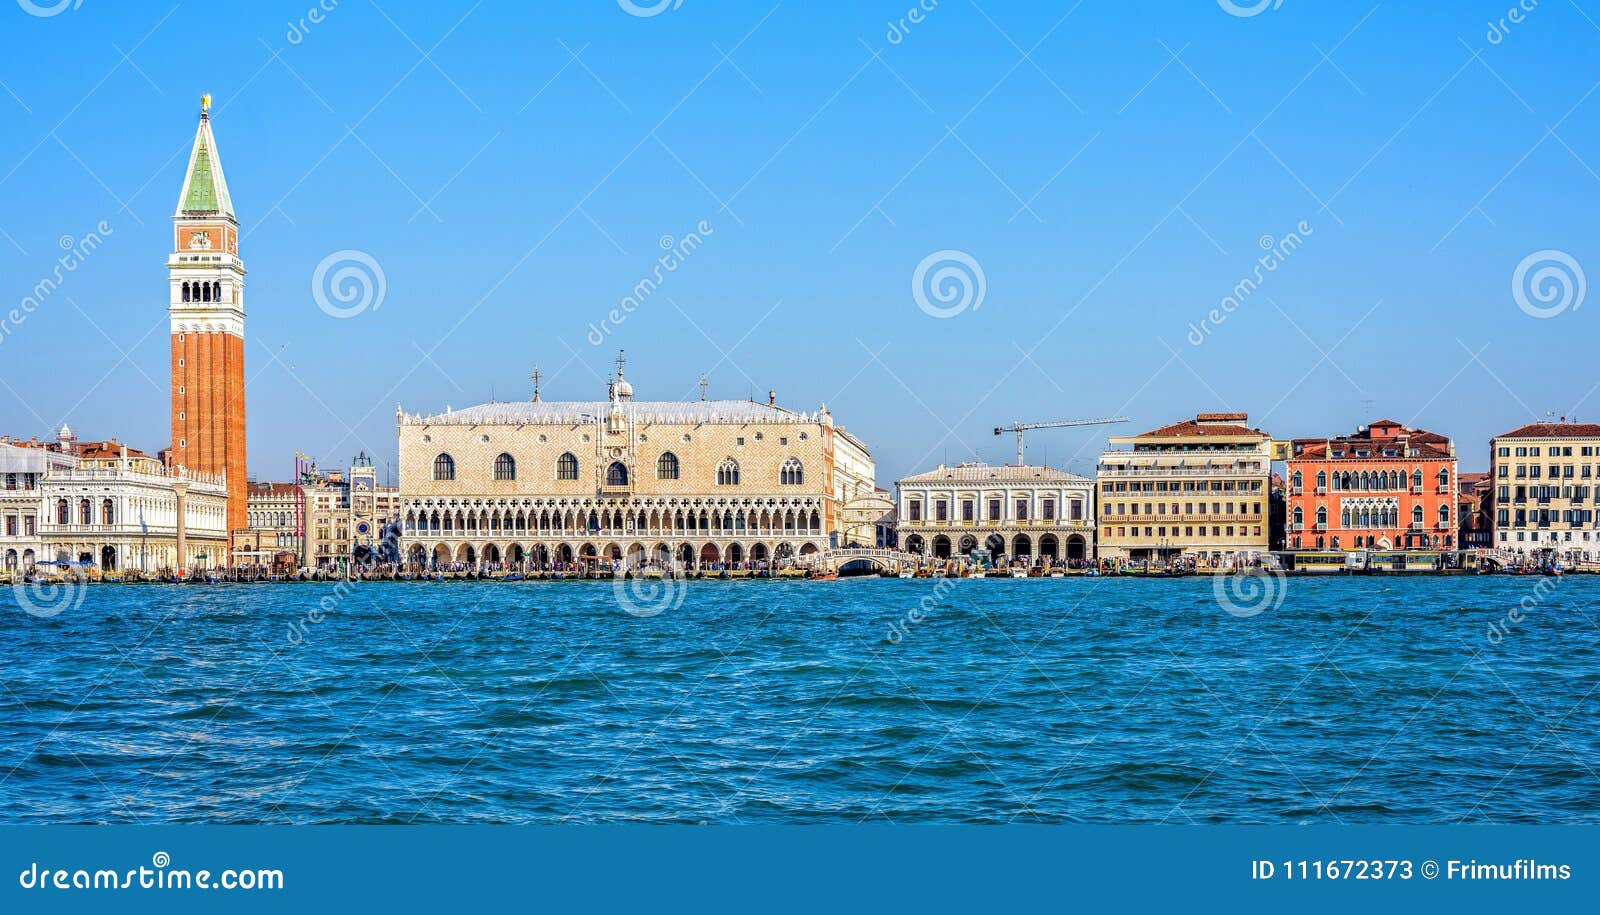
[514,167]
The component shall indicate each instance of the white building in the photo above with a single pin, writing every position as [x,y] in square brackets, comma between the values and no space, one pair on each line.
[23,469]
[109,506]
[1028,514]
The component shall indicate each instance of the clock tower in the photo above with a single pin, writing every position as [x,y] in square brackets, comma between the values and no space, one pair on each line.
[206,296]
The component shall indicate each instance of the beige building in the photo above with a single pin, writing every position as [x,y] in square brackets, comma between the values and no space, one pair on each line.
[326,519]
[696,483]
[347,515]
[1546,479]
[1026,514]
[1193,490]
[273,512]
[868,521]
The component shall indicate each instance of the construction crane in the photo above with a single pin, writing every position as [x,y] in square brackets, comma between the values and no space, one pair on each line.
[1020,428]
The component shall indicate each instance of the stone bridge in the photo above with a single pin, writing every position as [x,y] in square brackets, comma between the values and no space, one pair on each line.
[833,560]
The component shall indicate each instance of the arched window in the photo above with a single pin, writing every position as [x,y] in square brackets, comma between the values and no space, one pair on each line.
[1444,478]
[1416,514]
[1416,478]
[107,515]
[85,513]
[1444,514]
[444,467]
[617,474]
[567,467]
[667,466]
[186,292]
[63,514]
[1299,479]
[1299,515]
[1322,479]
[791,473]
[1322,515]
[728,473]
[505,467]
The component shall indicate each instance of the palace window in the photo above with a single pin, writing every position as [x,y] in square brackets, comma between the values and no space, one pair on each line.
[567,467]
[791,473]
[63,513]
[667,466]
[617,474]
[444,467]
[107,515]
[728,473]
[505,467]
[1416,514]
[85,513]
[1049,510]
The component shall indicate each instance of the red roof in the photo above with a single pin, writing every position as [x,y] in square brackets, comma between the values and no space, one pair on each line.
[1390,434]
[110,448]
[1554,430]
[273,489]
[1206,424]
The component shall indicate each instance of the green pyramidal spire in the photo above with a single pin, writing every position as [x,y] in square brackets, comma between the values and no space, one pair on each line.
[205,190]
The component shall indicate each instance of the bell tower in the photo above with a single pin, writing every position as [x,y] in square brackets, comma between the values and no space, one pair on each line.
[206,307]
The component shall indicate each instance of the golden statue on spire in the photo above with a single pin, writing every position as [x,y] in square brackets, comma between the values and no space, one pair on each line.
[205,102]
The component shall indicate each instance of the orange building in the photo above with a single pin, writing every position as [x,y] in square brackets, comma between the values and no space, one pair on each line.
[1385,487]
[206,309]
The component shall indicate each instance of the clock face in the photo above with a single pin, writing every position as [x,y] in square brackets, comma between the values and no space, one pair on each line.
[362,484]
